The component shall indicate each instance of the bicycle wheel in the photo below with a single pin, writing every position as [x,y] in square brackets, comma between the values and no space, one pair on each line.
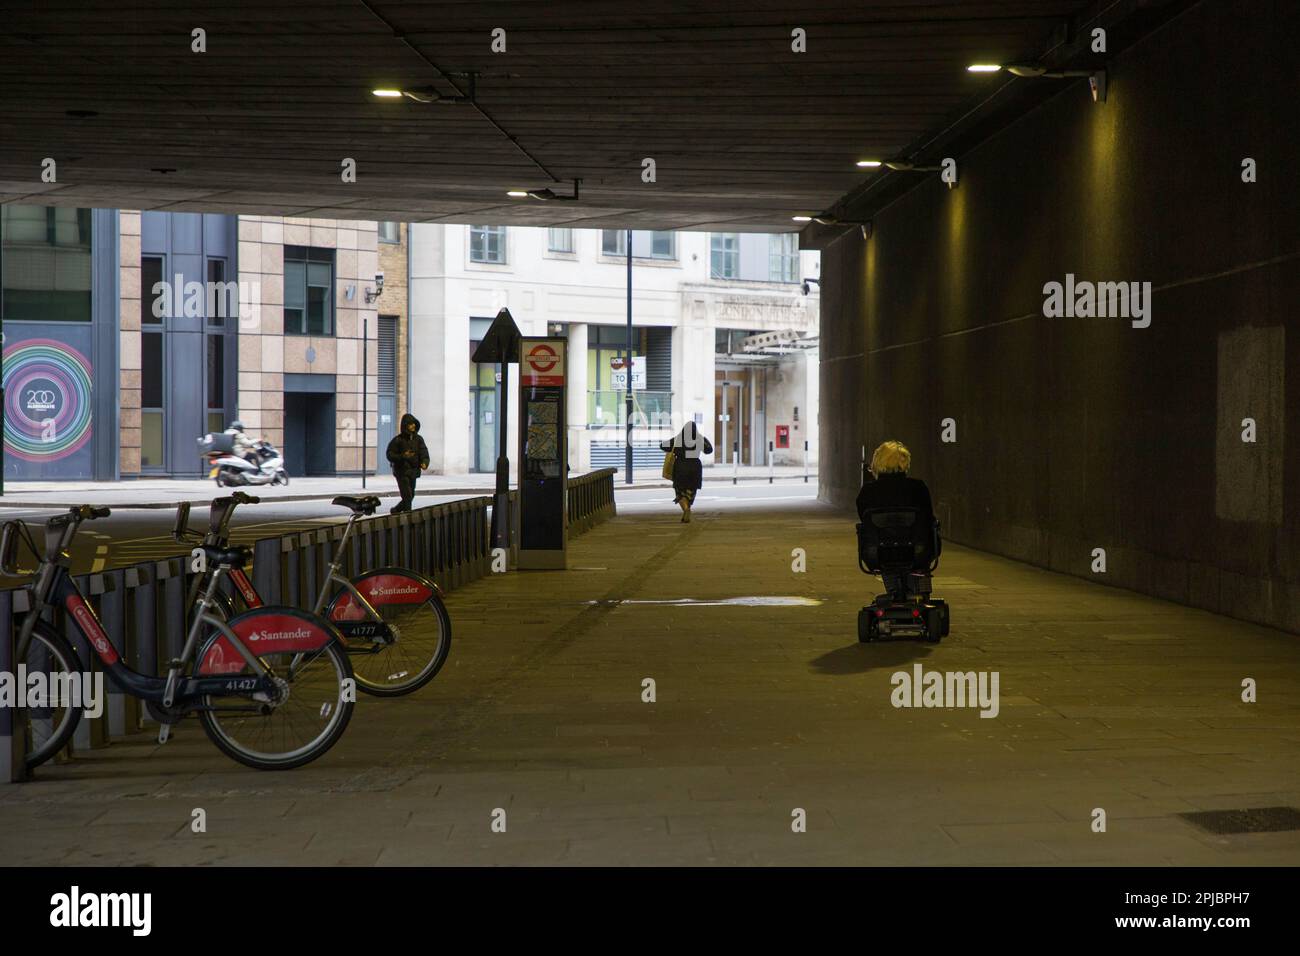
[49,728]
[311,666]
[409,604]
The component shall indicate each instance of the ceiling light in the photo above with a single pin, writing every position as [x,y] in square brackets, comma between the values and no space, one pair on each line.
[868,163]
[388,93]
[802,218]
[517,194]
[983,68]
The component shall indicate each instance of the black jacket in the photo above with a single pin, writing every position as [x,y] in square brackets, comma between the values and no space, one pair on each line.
[403,442]
[895,489]
[687,445]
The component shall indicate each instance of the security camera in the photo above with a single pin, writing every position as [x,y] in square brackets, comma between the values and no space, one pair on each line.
[379,282]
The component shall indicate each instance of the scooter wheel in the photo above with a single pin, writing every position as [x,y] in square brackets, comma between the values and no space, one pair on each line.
[866,626]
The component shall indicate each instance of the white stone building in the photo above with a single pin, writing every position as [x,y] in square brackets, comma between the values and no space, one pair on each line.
[726,330]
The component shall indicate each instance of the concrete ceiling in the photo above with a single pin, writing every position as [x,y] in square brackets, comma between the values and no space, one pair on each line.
[745,133]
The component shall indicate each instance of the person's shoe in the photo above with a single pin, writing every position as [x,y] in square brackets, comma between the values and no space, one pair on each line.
[686,516]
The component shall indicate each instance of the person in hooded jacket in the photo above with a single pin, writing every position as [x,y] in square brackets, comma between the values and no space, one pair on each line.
[408,455]
[688,471]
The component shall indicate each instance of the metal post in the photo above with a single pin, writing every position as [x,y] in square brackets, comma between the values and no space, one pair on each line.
[771,469]
[627,367]
[365,391]
[805,461]
[735,461]
[501,499]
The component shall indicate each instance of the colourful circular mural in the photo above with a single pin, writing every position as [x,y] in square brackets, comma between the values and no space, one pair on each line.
[47,400]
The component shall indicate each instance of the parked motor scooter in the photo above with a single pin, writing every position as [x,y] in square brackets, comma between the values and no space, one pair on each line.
[229,469]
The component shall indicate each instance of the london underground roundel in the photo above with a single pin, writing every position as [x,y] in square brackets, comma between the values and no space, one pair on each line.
[47,400]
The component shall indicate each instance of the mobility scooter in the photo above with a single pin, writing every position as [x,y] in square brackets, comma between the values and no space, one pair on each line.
[902,545]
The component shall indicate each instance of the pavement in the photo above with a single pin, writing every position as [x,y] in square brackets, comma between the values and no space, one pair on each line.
[764,713]
[168,492]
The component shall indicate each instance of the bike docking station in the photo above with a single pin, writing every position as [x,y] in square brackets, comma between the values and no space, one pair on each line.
[543,453]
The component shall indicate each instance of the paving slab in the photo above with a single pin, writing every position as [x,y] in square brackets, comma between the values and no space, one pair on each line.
[1106,699]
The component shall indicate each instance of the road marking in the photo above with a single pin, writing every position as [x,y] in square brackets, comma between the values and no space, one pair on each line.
[101,553]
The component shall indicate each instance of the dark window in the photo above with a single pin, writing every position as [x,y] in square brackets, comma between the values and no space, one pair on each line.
[222,303]
[390,232]
[724,255]
[308,291]
[151,370]
[152,298]
[216,372]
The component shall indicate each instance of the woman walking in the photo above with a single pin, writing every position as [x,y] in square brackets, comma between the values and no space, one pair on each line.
[688,471]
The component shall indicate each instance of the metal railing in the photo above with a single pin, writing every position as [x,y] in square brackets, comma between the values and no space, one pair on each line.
[591,499]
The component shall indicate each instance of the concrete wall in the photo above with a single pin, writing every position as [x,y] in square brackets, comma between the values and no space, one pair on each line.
[1083,433]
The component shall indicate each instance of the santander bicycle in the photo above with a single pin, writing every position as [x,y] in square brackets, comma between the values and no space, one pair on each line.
[394,624]
[272,687]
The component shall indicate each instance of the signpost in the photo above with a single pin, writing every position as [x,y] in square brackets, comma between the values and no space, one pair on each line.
[501,345]
[543,453]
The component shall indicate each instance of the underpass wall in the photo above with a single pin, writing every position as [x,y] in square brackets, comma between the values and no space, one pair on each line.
[1076,434]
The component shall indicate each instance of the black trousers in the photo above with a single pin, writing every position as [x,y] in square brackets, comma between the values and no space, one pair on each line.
[406,486]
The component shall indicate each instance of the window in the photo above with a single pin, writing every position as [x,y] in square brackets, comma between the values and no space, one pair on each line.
[308,291]
[783,257]
[645,245]
[724,255]
[152,371]
[487,244]
[216,381]
[663,245]
[613,242]
[223,300]
[559,240]
[45,263]
[151,273]
[390,232]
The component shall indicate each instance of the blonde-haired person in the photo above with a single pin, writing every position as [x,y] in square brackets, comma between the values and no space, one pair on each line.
[892,488]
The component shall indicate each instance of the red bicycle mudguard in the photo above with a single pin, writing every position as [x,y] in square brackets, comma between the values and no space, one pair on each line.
[266,630]
[382,586]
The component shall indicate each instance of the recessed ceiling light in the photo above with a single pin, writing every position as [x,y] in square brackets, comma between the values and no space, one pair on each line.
[868,163]
[983,68]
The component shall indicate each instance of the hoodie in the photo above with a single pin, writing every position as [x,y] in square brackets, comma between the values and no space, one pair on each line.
[404,442]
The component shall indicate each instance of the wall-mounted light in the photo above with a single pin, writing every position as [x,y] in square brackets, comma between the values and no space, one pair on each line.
[424,94]
[1096,78]
[547,194]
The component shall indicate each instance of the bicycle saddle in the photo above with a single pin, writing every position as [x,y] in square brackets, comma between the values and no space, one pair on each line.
[235,556]
[362,505]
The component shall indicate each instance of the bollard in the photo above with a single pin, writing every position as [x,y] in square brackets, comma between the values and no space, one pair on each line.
[735,462]
[771,468]
[805,461]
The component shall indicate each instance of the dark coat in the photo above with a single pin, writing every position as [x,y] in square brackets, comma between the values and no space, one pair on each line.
[895,489]
[403,442]
[688,444]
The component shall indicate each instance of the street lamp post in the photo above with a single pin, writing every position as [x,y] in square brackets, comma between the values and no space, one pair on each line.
[627,367]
